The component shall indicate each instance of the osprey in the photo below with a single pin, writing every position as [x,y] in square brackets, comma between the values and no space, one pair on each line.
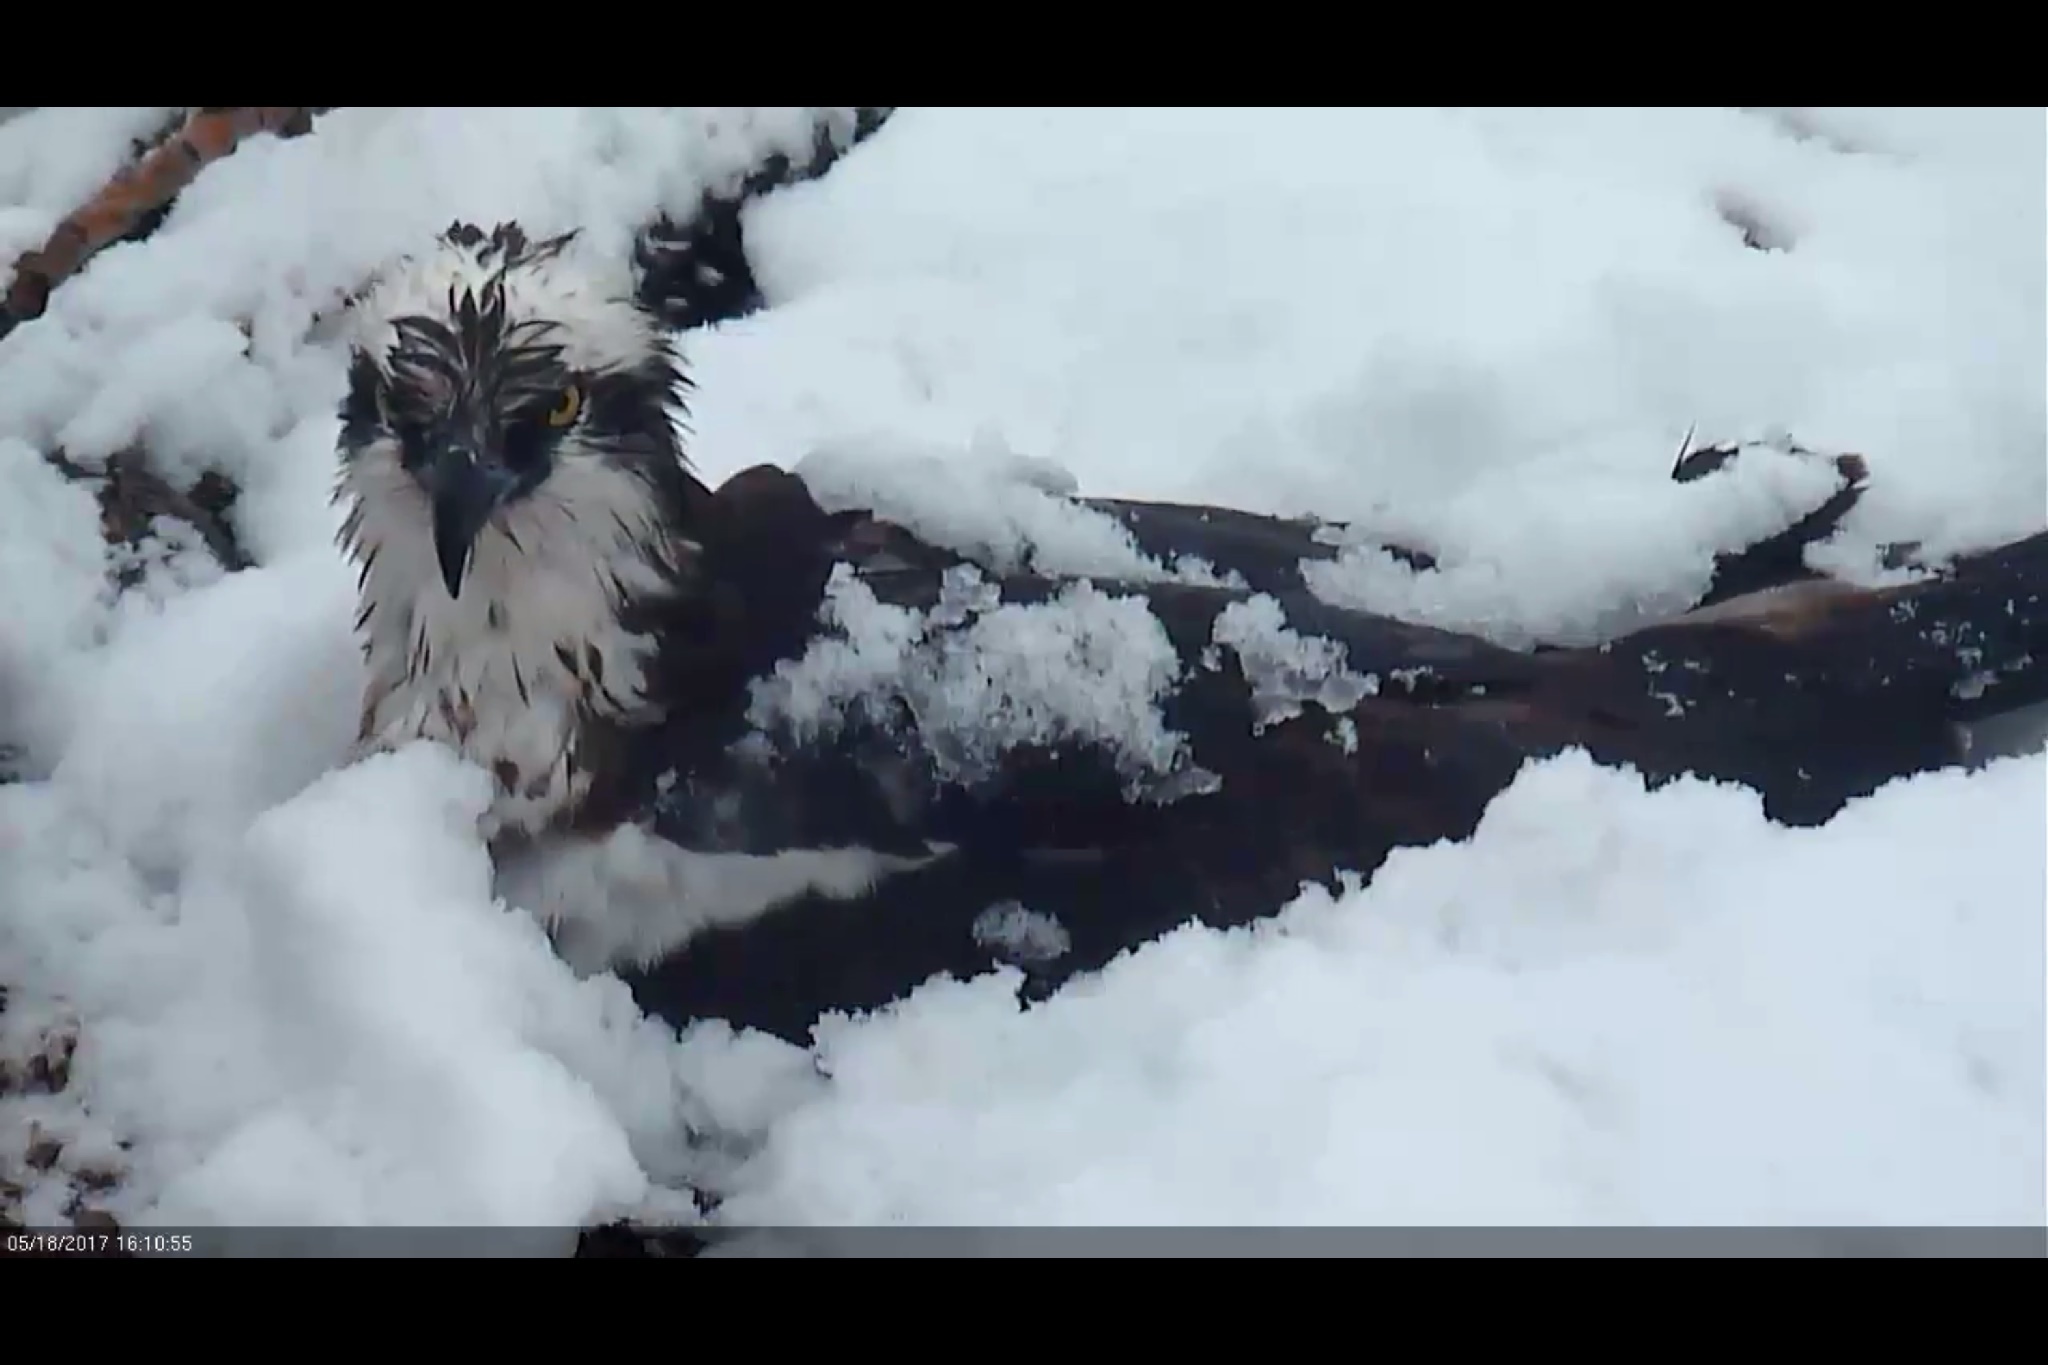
[531,543]
[520,509]
[769,760]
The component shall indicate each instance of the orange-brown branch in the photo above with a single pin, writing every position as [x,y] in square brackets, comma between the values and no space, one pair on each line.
[136,191]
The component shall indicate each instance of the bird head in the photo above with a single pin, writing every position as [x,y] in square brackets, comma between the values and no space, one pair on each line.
[498,374]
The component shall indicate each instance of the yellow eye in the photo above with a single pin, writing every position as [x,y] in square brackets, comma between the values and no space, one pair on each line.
[566,407]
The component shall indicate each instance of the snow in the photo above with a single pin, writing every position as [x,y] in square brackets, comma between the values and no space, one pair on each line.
[1482,333]
[632,898]
[1023,934]
[977,677]
[1285,668]
[1660,1011]
[990,504]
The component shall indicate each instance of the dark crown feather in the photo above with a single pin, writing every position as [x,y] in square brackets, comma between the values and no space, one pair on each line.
[476,349]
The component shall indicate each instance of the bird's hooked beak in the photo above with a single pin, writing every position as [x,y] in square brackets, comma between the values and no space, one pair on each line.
[465,491]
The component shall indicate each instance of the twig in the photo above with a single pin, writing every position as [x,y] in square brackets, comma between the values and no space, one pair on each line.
[138,191]
[1684,449]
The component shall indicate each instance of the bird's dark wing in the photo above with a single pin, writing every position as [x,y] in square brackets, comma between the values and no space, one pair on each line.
[1810,699]
[768,551]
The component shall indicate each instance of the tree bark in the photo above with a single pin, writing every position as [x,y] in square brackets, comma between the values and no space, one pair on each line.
[1810,693]
[135,199]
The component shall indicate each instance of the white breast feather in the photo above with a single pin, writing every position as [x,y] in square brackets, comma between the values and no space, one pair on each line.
[452,670]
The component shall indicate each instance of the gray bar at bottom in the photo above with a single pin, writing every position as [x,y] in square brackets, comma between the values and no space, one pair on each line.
[2022,1242]
[1161,1243]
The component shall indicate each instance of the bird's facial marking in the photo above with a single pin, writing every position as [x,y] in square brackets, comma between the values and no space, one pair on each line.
[482,364]
[479,403]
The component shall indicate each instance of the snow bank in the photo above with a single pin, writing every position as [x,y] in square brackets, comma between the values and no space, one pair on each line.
[1479,332]
[1608,1008]
[298,1002]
